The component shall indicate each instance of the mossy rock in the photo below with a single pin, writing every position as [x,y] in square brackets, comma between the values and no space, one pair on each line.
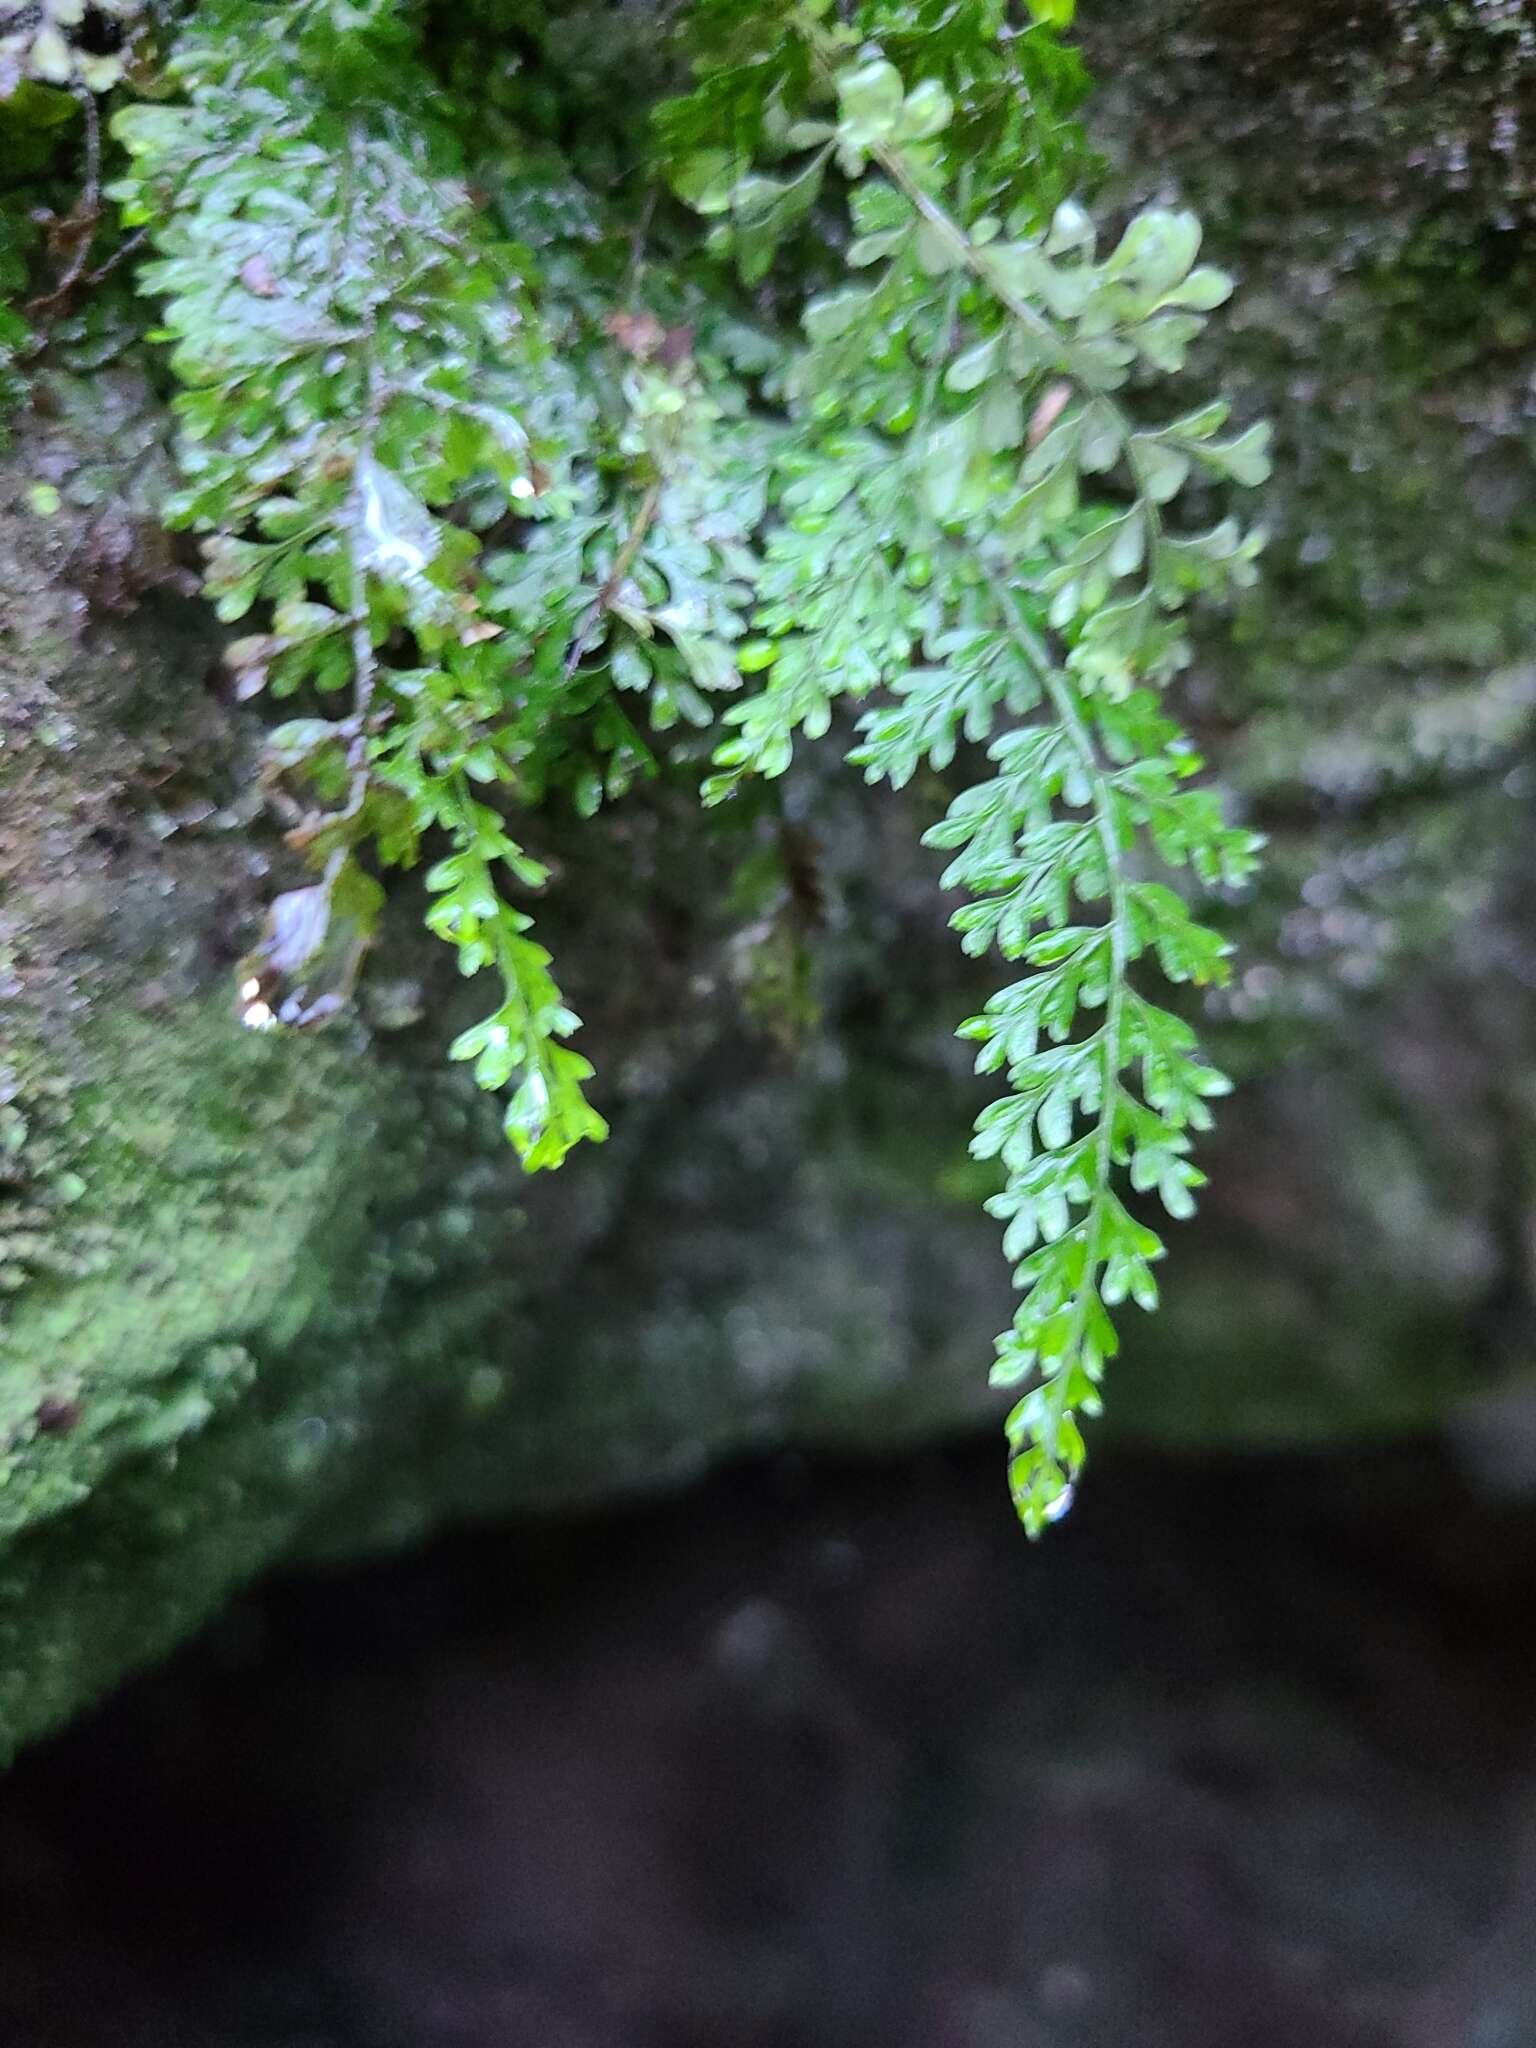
[279,1298]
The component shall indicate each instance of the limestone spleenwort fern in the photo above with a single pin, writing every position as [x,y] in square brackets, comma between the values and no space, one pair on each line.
[514,467]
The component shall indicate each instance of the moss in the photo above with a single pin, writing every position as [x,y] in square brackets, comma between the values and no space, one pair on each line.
[40,1184]
[275,1325]
[175,1194]
[204,1225]
[152,1552]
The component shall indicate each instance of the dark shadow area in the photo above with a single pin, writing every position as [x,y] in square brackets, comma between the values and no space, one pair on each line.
[1240,1757]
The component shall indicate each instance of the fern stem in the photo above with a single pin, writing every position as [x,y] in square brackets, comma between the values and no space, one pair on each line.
[974,257]
[1067,706]
[365,667]
[613,582]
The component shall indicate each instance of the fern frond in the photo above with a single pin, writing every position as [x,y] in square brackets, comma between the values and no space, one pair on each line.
[978,480]
[357,360]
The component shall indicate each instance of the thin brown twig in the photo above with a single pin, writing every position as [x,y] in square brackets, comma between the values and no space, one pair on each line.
[120,254]
[365,661]
[85,214]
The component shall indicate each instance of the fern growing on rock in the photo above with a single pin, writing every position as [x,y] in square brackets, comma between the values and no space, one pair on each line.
[517,474]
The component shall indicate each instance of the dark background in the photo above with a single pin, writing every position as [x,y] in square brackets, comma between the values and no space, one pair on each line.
[1240,1757]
